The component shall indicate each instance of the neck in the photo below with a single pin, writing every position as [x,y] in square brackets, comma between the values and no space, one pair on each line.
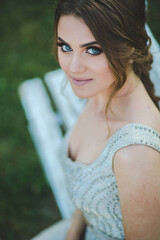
[97,104]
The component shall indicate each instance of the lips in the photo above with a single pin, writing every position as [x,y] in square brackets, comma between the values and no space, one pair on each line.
[80,81]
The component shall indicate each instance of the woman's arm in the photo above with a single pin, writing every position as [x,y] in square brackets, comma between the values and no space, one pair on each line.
[137,170]
[77,229]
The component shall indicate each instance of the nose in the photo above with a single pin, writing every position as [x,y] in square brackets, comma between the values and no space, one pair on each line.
[77,64]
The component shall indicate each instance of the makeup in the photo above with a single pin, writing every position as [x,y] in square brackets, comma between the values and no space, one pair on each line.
[80,82]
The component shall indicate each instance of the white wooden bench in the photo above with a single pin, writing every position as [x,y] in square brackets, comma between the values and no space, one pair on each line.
[45,124]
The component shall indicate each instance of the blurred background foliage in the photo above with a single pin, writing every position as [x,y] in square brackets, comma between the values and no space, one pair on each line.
[26,33]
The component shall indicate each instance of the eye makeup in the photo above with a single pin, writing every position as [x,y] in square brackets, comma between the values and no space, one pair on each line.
[64,47]
[94,51]
[91,50]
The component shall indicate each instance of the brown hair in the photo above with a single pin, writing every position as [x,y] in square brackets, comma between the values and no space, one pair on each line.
[119,28]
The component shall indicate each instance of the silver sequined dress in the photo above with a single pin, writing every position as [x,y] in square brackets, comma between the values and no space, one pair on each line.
[93,187]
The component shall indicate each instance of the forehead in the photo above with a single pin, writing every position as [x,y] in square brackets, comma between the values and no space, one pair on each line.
[74,29]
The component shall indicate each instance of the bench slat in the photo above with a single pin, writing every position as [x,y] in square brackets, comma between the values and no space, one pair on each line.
[47,137]
[155,72]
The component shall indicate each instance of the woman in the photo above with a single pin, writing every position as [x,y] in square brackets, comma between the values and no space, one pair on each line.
[113,163]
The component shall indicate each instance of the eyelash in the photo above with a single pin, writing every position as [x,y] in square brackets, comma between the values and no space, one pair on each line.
[88,48]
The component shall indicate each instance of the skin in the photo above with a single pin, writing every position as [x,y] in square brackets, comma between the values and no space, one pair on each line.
[137,171]
[76,231]
[136,167]
[80,62]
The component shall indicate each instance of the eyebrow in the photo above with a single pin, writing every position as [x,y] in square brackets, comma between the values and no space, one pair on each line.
[83,45]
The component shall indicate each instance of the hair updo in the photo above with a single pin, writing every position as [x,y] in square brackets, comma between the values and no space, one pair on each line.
[119,28]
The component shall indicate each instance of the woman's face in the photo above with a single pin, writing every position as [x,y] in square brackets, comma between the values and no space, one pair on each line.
[82,59]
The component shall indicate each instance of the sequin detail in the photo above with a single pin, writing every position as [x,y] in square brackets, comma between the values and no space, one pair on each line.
[93,188]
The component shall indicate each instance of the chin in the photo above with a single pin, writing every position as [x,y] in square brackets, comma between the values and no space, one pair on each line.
[82,94]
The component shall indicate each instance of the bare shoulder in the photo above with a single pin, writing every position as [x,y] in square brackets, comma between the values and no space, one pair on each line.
[137,171]
[136,159]
[148,114]
[140,156]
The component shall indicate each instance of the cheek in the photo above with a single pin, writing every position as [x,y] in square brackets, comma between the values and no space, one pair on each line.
[104,72]
[102,67]
[62,60]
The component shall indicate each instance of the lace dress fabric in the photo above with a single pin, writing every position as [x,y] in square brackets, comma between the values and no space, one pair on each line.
[93,187]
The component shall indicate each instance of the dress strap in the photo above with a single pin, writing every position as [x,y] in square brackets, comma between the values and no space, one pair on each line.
[134,133]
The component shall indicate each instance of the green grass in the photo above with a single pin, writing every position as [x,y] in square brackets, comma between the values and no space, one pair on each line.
[26,203]
[26,32]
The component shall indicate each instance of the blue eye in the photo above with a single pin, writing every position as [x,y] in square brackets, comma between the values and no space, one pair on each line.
[94,50]
[64,47]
